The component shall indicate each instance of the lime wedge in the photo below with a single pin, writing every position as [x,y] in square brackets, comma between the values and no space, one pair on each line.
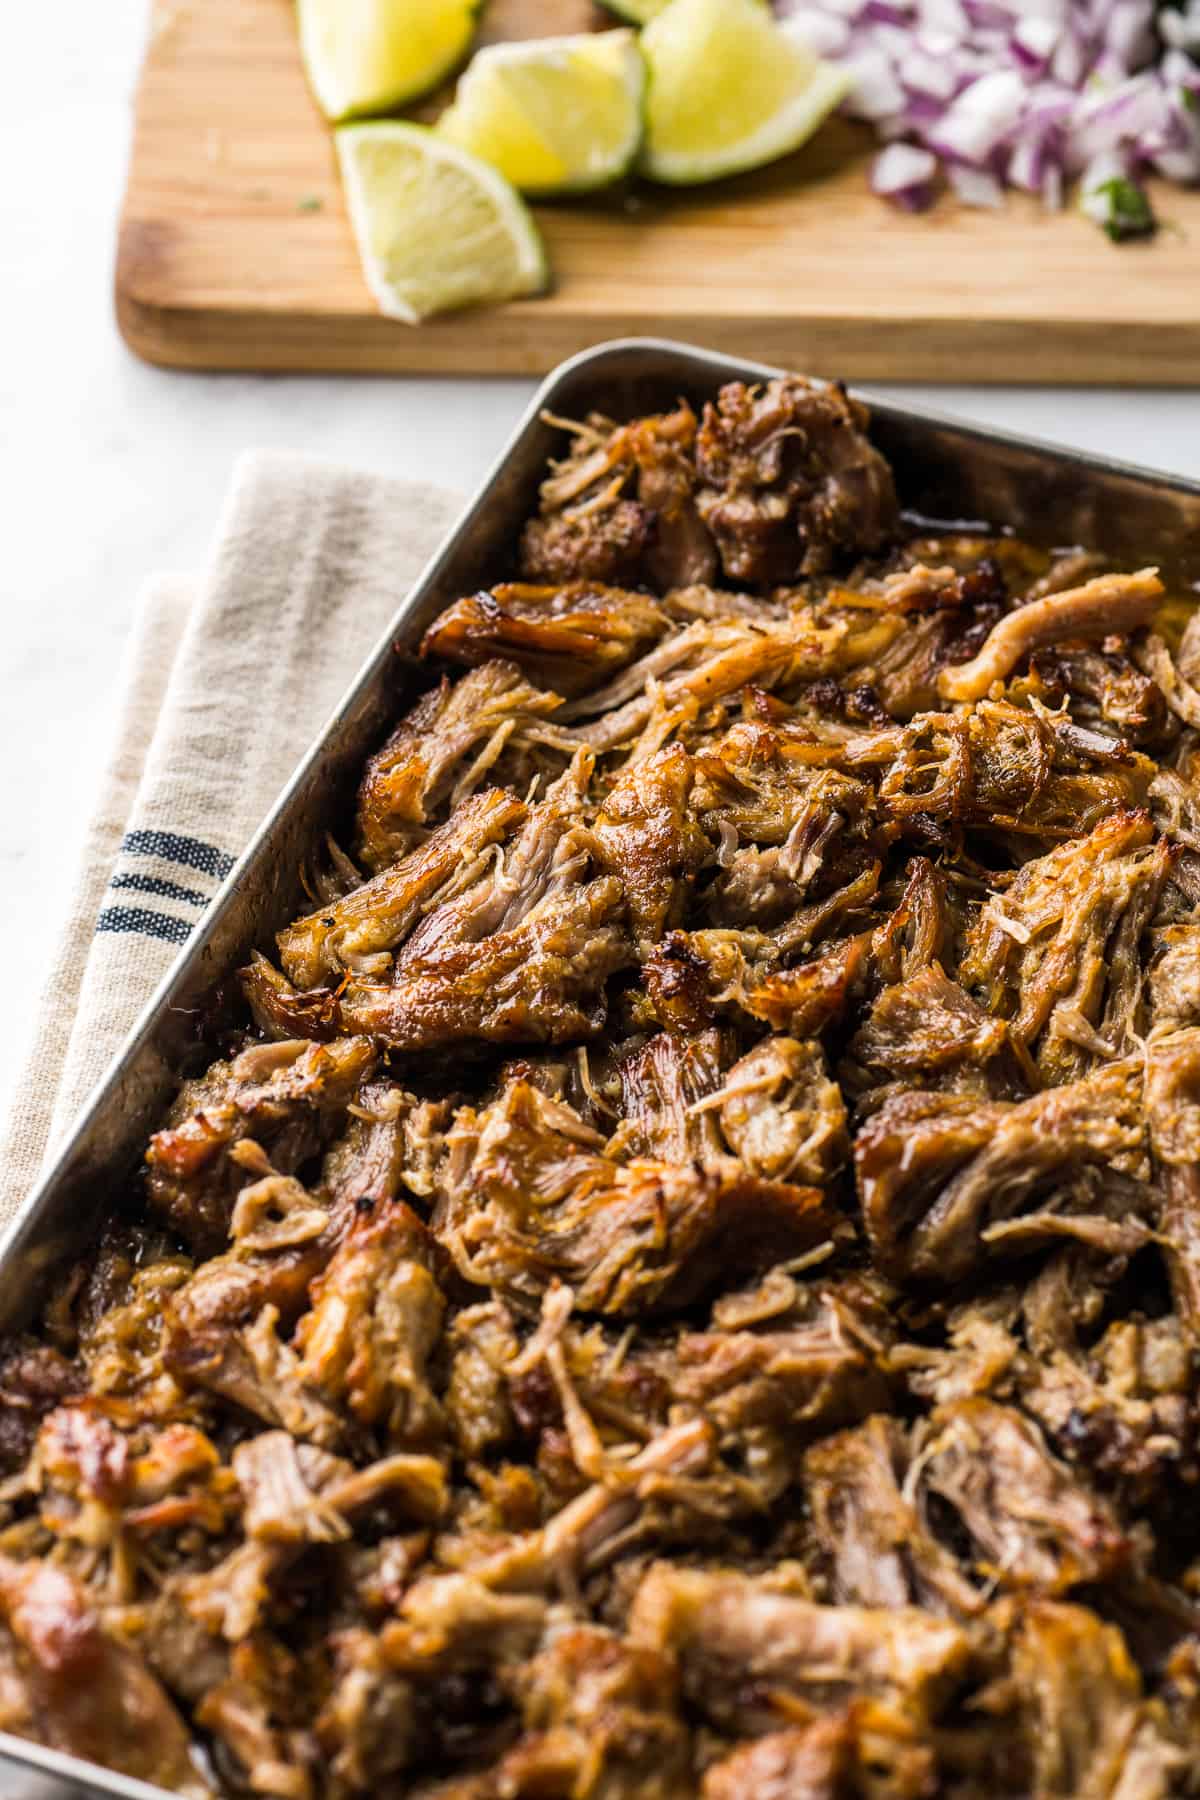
[368,56]
[436,227]
[561,115]
[729,90]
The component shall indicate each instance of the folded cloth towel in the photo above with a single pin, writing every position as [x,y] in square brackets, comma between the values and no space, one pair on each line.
[226,683]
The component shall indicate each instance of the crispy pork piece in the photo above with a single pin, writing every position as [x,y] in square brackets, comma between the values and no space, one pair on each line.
[664,1087]
[375,1320]
[814,994]
[81,1691]
[1173,1096]
[483,1342]
[678,984]
[1030,1521]
[391,1140]
[620,503]
[104,1488]
[245,1362]
[651,840]
[542,981]
[1120,1409]
[597,539]
[517,948]
[279,1505]
[667,691]
[998,767]
[766,781]
[747,1647]
[789,833]
[790,480]
[1057,954]
[602,1712]
[869,1543]
[920,929]
[567,638]
[782,1361]
[1175,977]
[693,976]
[494,1610]
[1104,690]
[529,1196]
[281,1097]
[947,1180]
[1082,1725]
[927,1033]
[903,630]
[34,1379]
[442,749]
[801,1762]
[1102,608]
[355,932]
[1170,677]
[782,1115]
[768,1391]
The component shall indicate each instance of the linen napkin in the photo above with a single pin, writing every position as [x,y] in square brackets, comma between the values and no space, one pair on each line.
[227,681]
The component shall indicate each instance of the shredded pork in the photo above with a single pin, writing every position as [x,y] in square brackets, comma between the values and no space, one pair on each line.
[683,1280]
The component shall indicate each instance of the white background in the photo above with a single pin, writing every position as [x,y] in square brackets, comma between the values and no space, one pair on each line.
[111,470]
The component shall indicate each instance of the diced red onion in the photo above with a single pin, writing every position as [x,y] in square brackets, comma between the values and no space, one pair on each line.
[1030,94]
[905,175]
[974,187]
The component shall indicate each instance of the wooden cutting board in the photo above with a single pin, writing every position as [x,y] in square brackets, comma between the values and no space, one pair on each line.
[235,250]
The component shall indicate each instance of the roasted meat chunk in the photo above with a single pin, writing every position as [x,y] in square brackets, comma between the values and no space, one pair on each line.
[79,1690]
[443,748]
[747,1646]
[790,480]
[529,1196]
[1058,952]
[621,504]
[947,1180]
[782,1115]
[376,1317]
[356,932]
[1097,610]
[274,1102]
[567,638]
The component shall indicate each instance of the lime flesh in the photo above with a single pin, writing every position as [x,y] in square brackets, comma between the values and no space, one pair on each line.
[437,228]
[554,115]
[730,90]
[369,56]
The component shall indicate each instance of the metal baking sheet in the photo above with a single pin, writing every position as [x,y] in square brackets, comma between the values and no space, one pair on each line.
[945,471]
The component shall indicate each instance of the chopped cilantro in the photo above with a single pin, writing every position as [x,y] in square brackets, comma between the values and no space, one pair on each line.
[1130,214]
[310,203]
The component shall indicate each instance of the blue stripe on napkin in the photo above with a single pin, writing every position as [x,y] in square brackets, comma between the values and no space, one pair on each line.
[150,924]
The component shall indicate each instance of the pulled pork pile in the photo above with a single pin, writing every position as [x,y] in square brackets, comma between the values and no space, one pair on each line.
[686,1280]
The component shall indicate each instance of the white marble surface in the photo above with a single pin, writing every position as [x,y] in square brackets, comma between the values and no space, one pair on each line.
[110,470]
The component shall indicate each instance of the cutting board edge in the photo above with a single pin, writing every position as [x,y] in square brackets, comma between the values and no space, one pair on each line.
[498,342]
